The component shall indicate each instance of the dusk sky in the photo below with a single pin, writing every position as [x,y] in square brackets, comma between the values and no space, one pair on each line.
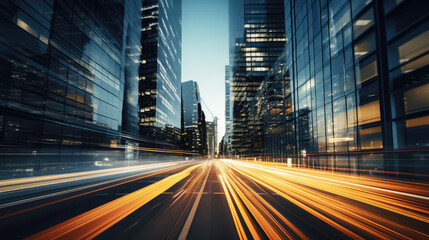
[205,53]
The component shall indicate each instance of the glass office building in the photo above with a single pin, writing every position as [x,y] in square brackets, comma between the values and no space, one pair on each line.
[69,71]
[353,84]
[160,71]
[192,136]
[256,40]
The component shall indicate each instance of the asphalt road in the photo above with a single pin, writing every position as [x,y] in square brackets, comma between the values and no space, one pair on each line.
[213,199]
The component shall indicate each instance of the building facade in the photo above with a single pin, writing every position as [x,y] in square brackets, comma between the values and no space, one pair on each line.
[256,41]
[69,75]
[212,147]
[348,91]
[160,71]
[194,129]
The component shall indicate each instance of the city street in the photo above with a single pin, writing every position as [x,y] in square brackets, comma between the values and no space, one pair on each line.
[212,199]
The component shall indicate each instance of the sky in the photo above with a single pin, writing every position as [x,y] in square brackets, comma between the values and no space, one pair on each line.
[205,53]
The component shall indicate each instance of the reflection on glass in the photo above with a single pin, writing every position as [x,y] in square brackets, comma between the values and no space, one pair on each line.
[340,125]
[418,131]
[414,47]
[364,22]
[369,112]
[370,138]
[416,99]
[358,5]
[416,64]
[366,70]
[365,46]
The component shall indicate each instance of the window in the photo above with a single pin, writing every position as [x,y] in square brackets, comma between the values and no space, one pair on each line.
[412,46]
[366,70]
[416,99]
[363,22]
[369,112]
[358,5]
[365,46]
[370,138]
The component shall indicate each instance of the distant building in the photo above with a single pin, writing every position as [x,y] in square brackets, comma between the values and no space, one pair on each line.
[194,132]
[212,138]
[160,71]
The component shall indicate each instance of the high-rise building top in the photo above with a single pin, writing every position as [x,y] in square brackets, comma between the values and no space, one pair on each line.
[257,40]
[160,70]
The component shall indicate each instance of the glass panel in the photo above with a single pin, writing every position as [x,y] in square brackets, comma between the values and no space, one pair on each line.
[370,138]
[340,125]
[369,112]
[418,131]
[407,49]
[365,46]
[416,99]
[416,64]
[366,70]
[364,22]
[321,129]
[351,122]
[358,5]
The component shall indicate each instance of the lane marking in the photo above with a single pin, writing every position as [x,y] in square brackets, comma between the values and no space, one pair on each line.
[191,216]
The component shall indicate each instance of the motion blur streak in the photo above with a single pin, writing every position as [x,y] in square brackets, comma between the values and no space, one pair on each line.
[114,182]
[32,182]
[90,224]
[381,208]
[266,215]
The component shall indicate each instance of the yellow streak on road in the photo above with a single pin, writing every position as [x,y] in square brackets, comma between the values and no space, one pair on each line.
[266,215]
[379,207]
[90,224]
[235,217]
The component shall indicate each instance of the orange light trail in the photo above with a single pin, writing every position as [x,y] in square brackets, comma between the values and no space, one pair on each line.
[376,207]
[90,224]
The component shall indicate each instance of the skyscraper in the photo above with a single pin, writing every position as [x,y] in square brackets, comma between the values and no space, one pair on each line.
[228,107]
[256,41]
[194,124]
[349,91]
[160,71]
[69,72]
[211,143]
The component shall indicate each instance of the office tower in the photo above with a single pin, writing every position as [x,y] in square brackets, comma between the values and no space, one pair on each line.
[354,76]
[210,139]
[228,105]
[256,40]
[194,130]
[160,71]
[69,71]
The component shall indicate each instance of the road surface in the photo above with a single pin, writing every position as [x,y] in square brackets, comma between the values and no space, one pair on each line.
[212,199]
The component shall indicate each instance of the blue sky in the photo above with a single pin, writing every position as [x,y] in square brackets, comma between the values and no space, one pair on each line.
[205,53]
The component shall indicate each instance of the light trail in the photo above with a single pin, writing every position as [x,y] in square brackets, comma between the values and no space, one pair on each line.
[90,224]
[114,182]
[41,181]
[268,218]
[375,207]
